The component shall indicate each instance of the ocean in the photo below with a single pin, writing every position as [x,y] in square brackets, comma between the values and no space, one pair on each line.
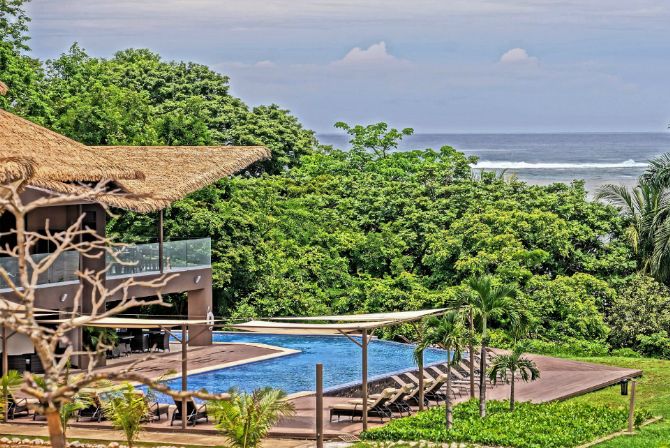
[597,158]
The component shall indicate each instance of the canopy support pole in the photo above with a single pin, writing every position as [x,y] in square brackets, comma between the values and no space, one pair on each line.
[319,405]
[160,241]
[5,371]
[184,379]
[364,386]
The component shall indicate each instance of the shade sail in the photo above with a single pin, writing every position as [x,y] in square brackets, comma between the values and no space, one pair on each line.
[372,317]
[13,307]
[126,322]
[264,326]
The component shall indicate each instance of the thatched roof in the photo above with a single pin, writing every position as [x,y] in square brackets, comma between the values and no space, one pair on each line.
[54,157]
[150,178]
[3,88]
[170,172]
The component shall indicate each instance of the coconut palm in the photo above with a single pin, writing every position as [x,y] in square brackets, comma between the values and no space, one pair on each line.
[450,334]
[489,301]
[647,209]
[245,419]
[505,367]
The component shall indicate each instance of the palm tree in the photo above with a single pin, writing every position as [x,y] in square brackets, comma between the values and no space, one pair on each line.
[489,301]
[244,419]
[647,209]
[505,367]
[449,333]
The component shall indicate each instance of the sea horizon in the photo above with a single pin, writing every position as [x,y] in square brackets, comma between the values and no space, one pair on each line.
[547,157]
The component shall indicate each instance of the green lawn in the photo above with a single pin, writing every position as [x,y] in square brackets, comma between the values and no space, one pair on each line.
[652,393]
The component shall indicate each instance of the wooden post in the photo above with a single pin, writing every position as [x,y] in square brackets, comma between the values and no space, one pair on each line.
[421,382]
[319,406]
[160,242]
[364,385]
[5,371]
[184,379]
[631,409]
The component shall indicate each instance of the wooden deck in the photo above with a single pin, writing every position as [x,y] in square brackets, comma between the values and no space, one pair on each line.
[560,379]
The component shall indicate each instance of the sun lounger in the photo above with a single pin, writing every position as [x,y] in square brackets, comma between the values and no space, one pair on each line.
[377,407]
[194,412]
[396,402]
[18,406]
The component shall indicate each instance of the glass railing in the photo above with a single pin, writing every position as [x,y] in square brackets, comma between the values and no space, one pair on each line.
[132,259]
[177,255]
[63,270]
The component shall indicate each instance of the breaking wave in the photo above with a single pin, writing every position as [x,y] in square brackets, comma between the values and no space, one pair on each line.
[504,165]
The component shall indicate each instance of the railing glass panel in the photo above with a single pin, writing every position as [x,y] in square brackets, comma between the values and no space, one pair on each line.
[133,259]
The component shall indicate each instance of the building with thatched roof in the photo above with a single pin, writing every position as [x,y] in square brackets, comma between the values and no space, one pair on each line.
[143,179]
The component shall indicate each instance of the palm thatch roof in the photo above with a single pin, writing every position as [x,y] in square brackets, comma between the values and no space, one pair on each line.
[54,157]
[147,178]
[170,172]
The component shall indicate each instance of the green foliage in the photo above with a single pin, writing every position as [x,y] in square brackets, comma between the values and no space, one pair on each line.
[69,409]
[639,315]
[571,306]
[245,419]
[547,425]
[8,382]
[126,409]
[566,347]
[137,98]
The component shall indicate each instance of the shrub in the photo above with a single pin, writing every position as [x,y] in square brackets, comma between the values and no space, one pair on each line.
[625,353]
[567,347]
[656,345]
[547,425]
[127,409]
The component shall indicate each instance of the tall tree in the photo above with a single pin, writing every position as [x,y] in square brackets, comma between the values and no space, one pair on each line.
[22,74]
[489,301]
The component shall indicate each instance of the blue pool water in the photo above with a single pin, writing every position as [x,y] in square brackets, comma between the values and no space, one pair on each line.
[340,357]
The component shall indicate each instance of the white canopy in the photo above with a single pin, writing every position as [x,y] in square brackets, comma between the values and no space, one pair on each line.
[264,326]
[392,316]
[127,322]
[351,323]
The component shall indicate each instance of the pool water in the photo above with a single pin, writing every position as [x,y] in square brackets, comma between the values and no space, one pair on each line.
[341,360]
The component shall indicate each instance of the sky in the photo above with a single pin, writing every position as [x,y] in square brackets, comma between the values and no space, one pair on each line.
[436,66]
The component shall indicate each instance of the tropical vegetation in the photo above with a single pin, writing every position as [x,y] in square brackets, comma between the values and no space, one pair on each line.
[547,425]
[245,419]
[127,408]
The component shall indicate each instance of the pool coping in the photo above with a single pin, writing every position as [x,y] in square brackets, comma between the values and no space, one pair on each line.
[279,352]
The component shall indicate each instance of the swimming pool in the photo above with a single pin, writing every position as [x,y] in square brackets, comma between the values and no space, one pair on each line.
[340,357]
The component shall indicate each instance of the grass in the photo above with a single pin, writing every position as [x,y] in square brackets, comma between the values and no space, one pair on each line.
[547,425]
[652,393]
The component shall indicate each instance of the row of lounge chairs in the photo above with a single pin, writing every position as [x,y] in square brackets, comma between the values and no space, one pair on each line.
[392,401]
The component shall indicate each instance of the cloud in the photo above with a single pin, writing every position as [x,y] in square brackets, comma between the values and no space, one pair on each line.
[264,64]
[375,54]
[517,56]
